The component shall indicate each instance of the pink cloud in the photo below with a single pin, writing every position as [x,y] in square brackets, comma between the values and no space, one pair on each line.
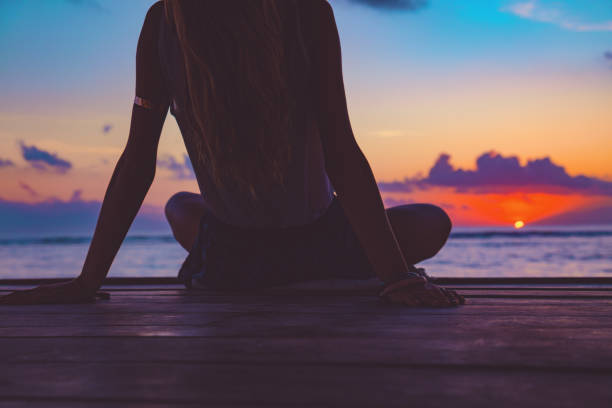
[495,173]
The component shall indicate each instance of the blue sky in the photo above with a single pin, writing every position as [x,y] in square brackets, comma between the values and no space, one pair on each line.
[88,45]
[525,78]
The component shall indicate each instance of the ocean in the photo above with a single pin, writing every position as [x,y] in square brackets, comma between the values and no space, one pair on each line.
[469,252]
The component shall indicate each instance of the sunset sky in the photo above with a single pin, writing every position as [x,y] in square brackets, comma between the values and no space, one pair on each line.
[497,111]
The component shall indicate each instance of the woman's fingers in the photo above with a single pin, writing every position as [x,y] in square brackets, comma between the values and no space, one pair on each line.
[403,298]
[460,300]
[434,295]
[459,297]
[19,298]
[50,294]
[450,295]
[427,296]
[103,295]
[440,295]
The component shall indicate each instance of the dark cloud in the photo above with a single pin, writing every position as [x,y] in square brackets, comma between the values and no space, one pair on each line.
[54,217]
[107,128]
[392,202]
[496,173]
[608,55]
[6,163]
[76,195]
[584,216]
[405,186]
[29,189]
[408,5]
[180,171]
[43,160]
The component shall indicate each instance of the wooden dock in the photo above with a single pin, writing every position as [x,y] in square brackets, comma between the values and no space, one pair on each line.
[517,343]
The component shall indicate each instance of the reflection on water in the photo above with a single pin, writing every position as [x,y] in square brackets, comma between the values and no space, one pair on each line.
[470,252]
[545,253]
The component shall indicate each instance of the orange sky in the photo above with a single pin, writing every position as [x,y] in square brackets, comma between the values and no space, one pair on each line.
[520,87]
[499,209]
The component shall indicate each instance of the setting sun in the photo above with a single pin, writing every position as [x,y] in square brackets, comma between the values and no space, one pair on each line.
[519,224]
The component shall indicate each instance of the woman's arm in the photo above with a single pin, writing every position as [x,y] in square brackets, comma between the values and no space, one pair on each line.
[129,183]
[135,169]
[354,182]
[346,165]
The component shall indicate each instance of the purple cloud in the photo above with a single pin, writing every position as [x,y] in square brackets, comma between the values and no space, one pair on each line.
[180,171]
[392,202]
[6,163]
[43,160]
[405,186]
[608,55]
[584,216]
[28,189]
[107,128]
[54,217]
[407,5]
[496,173]
[76,196]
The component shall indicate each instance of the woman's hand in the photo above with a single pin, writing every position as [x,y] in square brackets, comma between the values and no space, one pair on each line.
[425,295]
[59,293]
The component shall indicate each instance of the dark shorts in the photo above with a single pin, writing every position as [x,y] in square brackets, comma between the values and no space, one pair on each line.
[227,257]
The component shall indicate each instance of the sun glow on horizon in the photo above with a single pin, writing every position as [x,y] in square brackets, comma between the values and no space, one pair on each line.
[519,224]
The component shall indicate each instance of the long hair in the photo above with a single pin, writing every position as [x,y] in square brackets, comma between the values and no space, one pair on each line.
[239,74]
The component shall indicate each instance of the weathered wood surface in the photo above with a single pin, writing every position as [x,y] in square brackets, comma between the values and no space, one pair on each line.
[512,345]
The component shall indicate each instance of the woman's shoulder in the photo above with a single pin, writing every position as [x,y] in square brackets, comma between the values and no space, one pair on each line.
[156,10]
[150,26]
[316,15]
[319,14]
[153,17]
[149,76]
[316,7]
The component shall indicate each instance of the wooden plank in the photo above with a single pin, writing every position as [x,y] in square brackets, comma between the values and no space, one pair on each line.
[171,280]
[541,349]
[304,304]
[391,318]
[542,294]
[339,286]
[266,324]
[20,402]
[114,288]
[310,385]
[470,293]
[159,346]
[559,287]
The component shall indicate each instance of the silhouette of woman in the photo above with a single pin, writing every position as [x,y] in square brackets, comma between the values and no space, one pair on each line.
[286,194]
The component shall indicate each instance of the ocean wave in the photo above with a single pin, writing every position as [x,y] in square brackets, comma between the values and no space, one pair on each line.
[162,239]
[67,240]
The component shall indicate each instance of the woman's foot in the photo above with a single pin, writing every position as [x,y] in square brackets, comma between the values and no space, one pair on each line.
[423,294]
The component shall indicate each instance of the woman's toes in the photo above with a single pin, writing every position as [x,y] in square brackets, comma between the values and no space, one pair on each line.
[460,299]
[449,295]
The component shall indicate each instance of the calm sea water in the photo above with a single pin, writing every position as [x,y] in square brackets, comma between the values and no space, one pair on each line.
[470,252]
